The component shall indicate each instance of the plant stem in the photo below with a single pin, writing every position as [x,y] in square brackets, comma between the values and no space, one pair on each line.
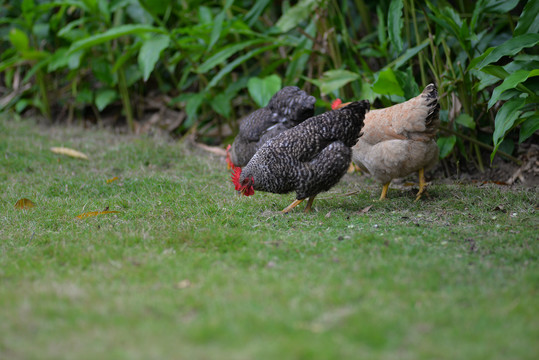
[479,143]
[418,41]
[124,93]
[44,95]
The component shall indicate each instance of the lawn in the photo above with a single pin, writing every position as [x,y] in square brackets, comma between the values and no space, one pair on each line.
[189,270]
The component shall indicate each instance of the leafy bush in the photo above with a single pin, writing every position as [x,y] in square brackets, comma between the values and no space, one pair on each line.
[67,57]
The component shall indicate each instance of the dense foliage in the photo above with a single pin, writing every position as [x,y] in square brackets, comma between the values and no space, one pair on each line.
[75,58]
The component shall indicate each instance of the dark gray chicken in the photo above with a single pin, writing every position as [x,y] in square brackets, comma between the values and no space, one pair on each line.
[286,109]
[309,158]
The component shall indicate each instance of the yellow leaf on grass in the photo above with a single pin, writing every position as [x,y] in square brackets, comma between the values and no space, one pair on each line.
[113,179]
[95,213]
[69,152]
[24,204]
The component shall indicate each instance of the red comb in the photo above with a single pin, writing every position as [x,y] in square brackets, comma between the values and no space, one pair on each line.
[229,163]
[335,104]
[236,172]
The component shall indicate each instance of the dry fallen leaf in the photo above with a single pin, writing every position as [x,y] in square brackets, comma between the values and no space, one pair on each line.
[113,179]
[69,152]
[95,213]
[24,204]
[364,210]
[184,284]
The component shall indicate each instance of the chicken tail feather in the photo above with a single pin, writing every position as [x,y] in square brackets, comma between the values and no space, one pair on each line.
[430,94]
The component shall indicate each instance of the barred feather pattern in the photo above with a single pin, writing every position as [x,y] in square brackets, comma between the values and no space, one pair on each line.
[286,109]
[311,157]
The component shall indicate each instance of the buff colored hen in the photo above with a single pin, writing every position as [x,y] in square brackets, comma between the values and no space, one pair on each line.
[399,140]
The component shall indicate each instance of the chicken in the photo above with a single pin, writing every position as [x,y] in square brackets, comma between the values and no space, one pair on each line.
[399,140]
[286,109]
[309,158]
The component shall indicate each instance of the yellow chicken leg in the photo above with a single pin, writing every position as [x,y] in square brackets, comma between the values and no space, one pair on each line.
[422,183]
[309,204]
[291,206]
[384,192]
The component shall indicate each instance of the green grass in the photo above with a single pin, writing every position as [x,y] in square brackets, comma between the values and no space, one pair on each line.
[448,277]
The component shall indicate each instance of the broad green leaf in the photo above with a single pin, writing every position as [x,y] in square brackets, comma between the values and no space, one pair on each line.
[495,70]
[505,118]
[221,104]
[446,145]
[465,120]
[149,53]
[204,15]
[191,107]
[105,97]
[261,90]
[528,21]
[387,84]
[509,48]
[224,54]
[500,6]
[58,60]
[528,127]
[394,24]
[296,14]
[334,79]
[113,33]
[511,82]
[216,30]
[19,40]
[74,59]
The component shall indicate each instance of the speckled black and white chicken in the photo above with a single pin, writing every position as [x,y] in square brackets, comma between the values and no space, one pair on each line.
[287,108]
[310,158]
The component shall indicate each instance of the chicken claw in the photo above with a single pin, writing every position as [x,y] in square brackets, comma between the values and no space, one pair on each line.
[291,206]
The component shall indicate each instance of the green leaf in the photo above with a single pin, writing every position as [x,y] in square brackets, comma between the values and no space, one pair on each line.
[191,107]
[113,33]
[334,79]
[105,97]
[19,40]
[216,30]
[495,70]
[528,127]
[511,82]
[149,53]
[465,120]
[387,84]
[261,90]
[394,24]
[229,67]
[58,60]
[381,27]
[505,118]
[221,104]
[500,6]
[528,21]
[296,14]
[509,48]
[446,145]
[224,54]
[408,54]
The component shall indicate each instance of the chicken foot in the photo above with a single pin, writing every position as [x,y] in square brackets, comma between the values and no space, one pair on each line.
[297,202]
[309,204]
[422,183]
[291,206]
[384,192]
